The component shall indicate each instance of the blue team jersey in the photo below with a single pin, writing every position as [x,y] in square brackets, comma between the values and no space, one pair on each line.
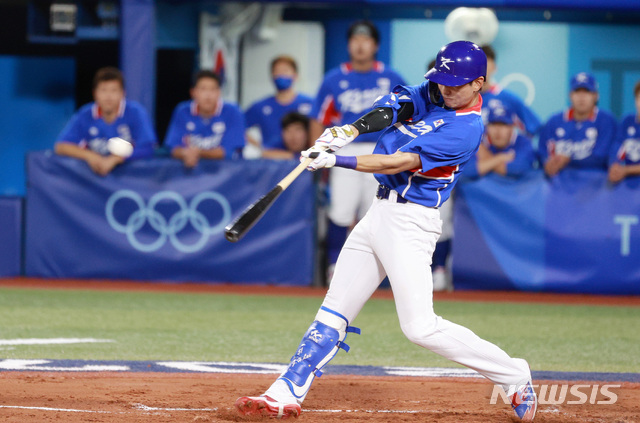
[587,142]
[224,129]
[267,115]
[444,139]
[626,149]
[88,129]
[527,121]
[522,163]
[345,95]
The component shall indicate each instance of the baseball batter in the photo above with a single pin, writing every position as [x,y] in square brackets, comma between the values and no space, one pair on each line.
[345,94]
[434,130]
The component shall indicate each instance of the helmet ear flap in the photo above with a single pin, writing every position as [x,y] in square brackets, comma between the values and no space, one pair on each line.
[435,97]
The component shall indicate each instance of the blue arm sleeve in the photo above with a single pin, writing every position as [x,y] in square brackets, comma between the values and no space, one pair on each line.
[174,135]
[616,145]
[233,141]
[252,116]
[528,118]
[543,153]
[72,131]
[523,161]
[144,136]
[322,111]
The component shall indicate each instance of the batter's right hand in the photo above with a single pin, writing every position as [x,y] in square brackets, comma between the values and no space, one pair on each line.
[336,137]
[321,159]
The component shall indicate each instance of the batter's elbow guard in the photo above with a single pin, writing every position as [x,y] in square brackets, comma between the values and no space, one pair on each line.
[393,102]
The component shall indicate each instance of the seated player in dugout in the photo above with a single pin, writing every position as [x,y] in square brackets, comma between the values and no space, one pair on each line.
[581,136]
[625,153]
[205,127]
[295,137]
[110,115]
[430,132]
[504,150]
[263,118]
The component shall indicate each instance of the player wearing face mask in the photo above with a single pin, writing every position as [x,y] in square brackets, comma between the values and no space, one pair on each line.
[263,117]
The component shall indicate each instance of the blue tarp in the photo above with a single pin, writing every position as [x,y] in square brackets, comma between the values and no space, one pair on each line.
[155,220]
[10,236]
[572,233]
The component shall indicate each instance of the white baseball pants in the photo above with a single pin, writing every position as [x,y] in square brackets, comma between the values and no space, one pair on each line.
[398,240]
[351,192]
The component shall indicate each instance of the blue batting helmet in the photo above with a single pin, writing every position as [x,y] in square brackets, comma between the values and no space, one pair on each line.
[458,63]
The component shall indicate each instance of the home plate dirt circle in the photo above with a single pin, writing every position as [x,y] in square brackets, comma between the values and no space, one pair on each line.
[197,397]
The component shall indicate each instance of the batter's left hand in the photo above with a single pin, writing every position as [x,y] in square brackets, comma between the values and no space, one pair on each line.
[321,159]
[336,137]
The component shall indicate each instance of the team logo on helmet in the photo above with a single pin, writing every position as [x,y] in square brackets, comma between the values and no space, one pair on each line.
[445,61]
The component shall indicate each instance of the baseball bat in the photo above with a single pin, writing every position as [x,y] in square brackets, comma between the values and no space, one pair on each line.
[235,230]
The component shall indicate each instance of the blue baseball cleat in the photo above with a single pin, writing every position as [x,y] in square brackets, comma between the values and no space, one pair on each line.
[525,403]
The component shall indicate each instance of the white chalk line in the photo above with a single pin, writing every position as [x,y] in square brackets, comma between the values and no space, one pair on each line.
[67,410]
[52,341]
[147,408]
[142,407]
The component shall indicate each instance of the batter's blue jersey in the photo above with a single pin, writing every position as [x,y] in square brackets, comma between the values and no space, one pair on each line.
[626,149]
[88,129]
[224,129]
[345,95]
[444,139]
[267,115]
[527,121]
[522,162]
[587,142]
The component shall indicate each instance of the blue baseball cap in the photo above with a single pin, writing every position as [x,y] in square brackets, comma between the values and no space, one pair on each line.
[499,113]
[584,80]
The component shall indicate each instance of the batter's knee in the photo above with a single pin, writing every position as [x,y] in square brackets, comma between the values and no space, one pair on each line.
[422,332]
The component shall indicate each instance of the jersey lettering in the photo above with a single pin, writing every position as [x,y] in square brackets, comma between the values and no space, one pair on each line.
[631,150]
[358,101]
[577,150]
[422,128]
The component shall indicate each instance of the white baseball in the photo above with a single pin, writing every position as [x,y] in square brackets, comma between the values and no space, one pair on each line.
[119,147]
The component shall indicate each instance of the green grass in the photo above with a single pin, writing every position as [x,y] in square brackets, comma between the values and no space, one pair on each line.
[210,327]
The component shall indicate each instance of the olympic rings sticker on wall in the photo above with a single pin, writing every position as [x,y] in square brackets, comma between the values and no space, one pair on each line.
[167,227]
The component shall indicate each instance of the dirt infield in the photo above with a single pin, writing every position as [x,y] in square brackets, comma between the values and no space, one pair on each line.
[72,397]
[158,398]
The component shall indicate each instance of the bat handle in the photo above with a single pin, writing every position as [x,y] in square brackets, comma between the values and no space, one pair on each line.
[286,181]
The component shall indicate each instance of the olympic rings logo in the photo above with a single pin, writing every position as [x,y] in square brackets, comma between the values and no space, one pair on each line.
[167,228]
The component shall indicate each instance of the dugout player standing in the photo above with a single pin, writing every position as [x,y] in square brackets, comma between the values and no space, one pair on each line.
[110,115]
[346,93]
[266,115]
[580,137]
[433,131]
